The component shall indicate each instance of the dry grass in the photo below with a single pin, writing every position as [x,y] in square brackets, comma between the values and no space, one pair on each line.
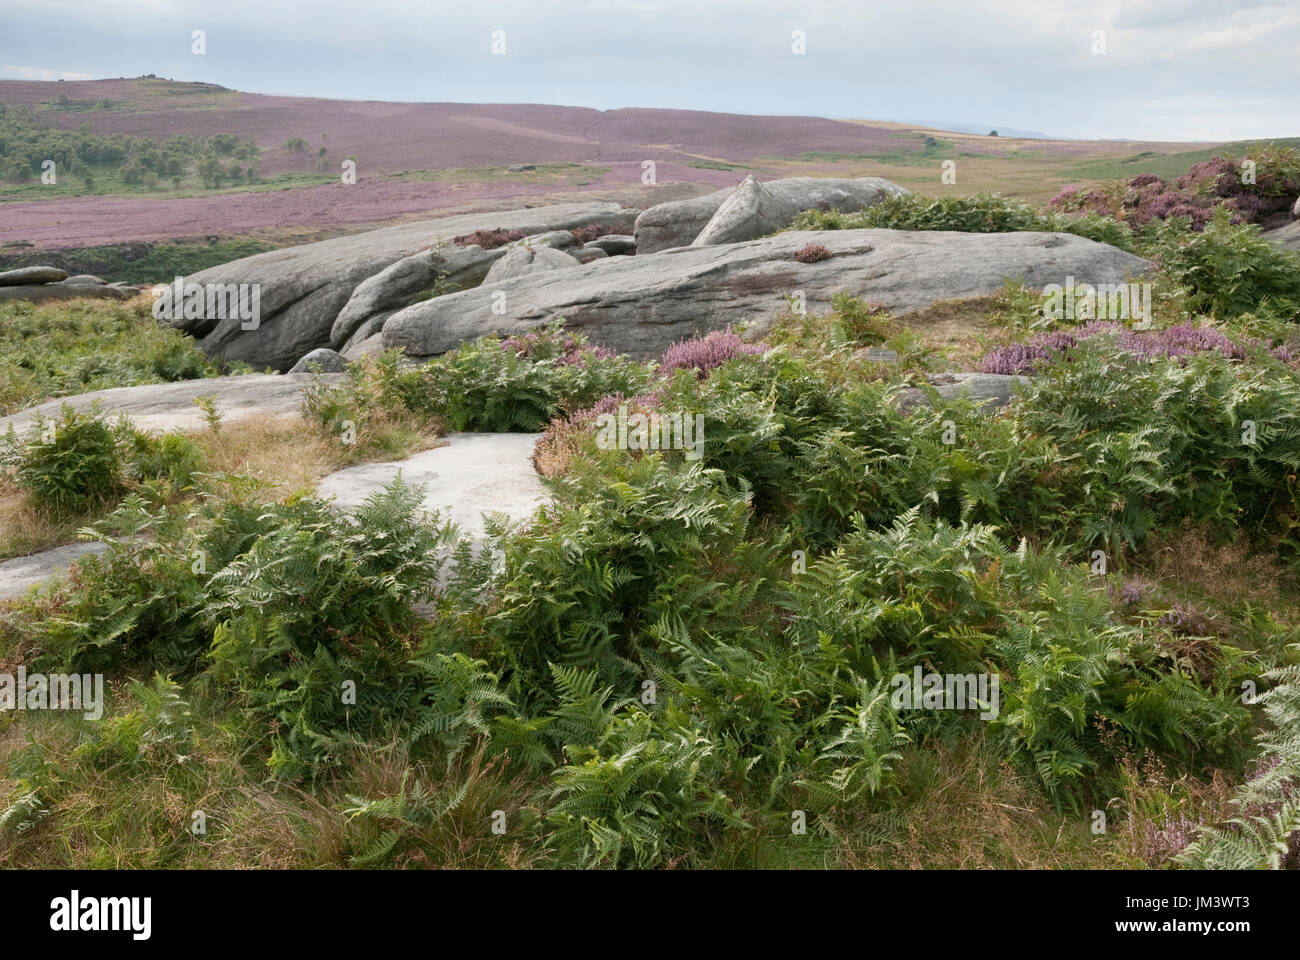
[289,455]
[1190,561]
[960,806]
[955,327]
[557,446]
[127,812]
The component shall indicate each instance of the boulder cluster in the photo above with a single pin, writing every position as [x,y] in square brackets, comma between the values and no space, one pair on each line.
[47,284]
[633,280]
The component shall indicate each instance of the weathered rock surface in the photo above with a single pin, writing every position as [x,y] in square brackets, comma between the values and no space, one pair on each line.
[84,280]
[53,292]
[679,222]
[367,330]
[642,304]
[559,239]
[21,573]
[371,346]
[748,213]
[30,275]
[1287,237]
[475,473]
[588,253]
[322,358]
[614,244]
[170,406]
[303,289]
[992,390]
[524,260]
[453,266]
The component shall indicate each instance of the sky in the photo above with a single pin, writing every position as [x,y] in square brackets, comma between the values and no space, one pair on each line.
[1146,69]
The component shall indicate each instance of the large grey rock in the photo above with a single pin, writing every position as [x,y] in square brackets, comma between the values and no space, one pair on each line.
[523,260]
[992,390]
[25,275]
[748,213]
[614,244]
[447,265]
[679,222]
[55,292]
[323,359]
[18,575]
[475,473]
[1287,237]
[170,406]
[1295,209]
[642,304]
[303,289]
[85,280]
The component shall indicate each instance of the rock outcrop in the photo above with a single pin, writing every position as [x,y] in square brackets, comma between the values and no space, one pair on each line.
[642,304]
[302,290]
[446,266]
[23,276]
[678,223]
[748,213]
[323,359]
[523,260]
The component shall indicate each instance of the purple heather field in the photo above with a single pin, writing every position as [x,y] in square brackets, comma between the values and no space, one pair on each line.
[417,159]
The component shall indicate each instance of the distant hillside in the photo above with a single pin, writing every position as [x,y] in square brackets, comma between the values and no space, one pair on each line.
[209,162]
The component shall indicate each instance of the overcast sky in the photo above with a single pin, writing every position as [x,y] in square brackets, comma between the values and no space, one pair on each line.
[1172,69]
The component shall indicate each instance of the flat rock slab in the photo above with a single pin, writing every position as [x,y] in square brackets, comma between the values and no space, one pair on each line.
[993,391]
[303,289]
[475,473]
[1287,237]
[170,406]
[26,275]
[640,305]
[21,573]
[52,292]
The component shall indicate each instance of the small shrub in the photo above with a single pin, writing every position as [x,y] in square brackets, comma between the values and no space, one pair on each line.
[708,353]
[74,467]
[812,253]
[590,232]
[1228,269]
[488,239]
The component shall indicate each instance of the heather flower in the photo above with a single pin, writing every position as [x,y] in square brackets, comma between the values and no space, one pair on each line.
[812,253]
[488,239]
[1183,340]
[708,353]
[590,232]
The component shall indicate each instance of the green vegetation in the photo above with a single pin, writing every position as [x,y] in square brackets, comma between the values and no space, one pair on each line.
[119,161]
[984,213]
[681,661]
[66,348]
[141,262]
[1166,165]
